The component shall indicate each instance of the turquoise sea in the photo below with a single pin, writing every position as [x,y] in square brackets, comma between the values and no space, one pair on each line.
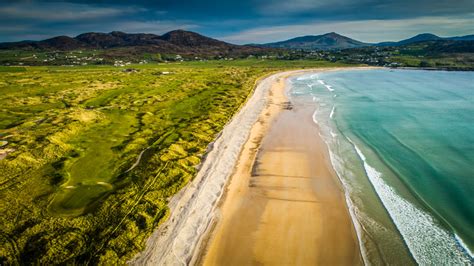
[402,143]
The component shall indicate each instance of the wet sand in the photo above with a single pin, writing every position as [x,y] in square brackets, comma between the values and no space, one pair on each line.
[284,204]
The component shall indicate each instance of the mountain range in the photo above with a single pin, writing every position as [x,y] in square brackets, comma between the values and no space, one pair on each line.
[173,42]
[191,43]
[333,40]
[426,37]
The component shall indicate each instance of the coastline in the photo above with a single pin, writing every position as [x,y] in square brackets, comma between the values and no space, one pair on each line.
[194,213]
[425,238]
[284,203]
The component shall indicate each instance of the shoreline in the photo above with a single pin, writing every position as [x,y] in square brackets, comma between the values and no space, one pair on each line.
[193,209]
[260,180]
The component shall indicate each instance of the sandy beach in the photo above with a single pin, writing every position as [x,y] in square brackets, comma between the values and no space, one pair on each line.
[284,204]
[266,193]
[193,209]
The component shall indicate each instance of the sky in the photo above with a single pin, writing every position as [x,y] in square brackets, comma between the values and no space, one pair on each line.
[238,21]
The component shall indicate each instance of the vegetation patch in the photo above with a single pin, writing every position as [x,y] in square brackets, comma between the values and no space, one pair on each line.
[91,155]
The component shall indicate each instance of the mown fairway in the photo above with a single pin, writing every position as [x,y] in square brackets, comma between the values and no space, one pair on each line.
[91,155]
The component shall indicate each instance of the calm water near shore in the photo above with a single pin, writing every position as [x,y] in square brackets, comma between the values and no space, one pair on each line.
[402,142]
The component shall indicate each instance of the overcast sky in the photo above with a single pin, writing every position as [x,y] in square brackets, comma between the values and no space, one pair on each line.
[238,21]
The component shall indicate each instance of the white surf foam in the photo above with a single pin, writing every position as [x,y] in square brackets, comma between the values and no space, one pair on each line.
[298,92]
[464,246]
[332,112]
[307,77]
[428,242]
[314,116]
[329,88]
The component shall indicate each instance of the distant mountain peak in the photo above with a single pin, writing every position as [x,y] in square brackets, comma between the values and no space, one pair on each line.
[426,34]
[180,34]
[118,33]
[181,31]
[422,37]
[332,33]
[190,39]
[327,41]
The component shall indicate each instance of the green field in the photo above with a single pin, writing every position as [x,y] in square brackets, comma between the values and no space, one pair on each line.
[91,155]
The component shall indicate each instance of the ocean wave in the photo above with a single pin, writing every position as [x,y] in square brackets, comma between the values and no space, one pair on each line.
[329,88]
[464,246]
[298,92]
[307,77]
[314,116]
[331,115]
[427,241]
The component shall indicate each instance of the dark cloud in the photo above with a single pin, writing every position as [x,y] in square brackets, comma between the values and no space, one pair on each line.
[233,9]
[30,19]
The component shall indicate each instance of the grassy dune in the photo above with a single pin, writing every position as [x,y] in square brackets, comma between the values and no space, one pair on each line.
[72,189]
